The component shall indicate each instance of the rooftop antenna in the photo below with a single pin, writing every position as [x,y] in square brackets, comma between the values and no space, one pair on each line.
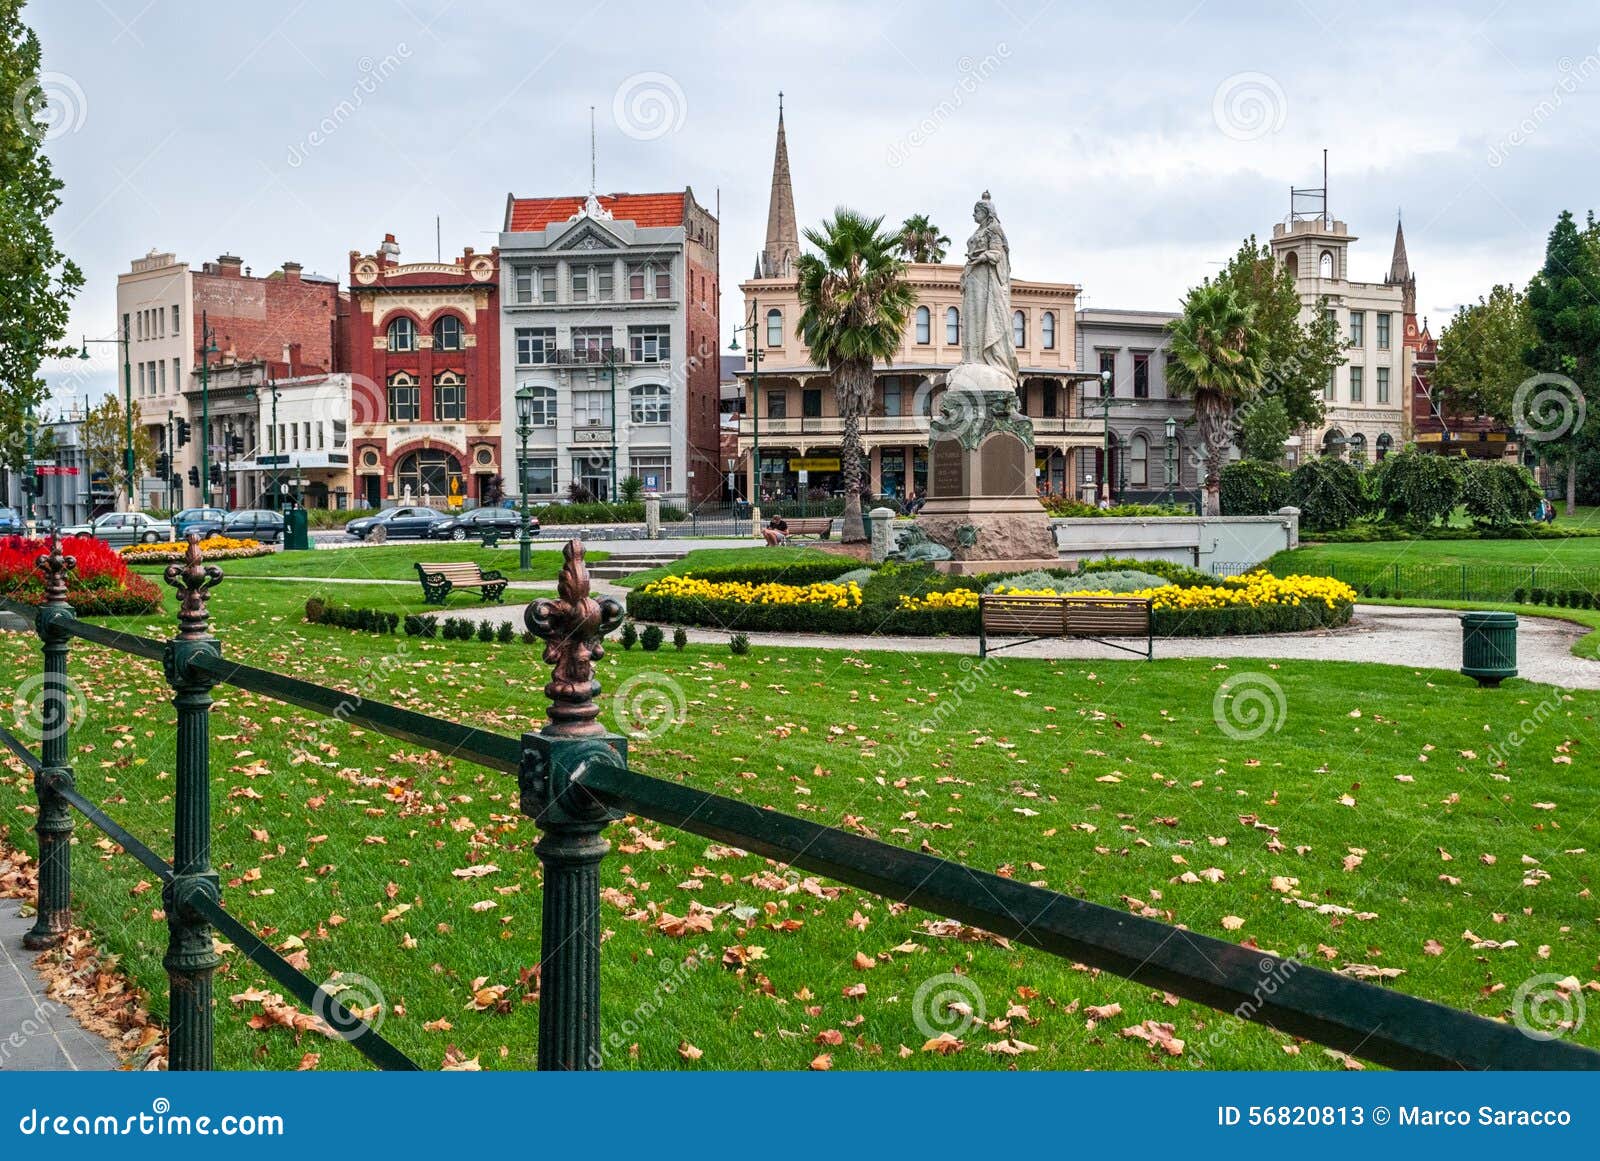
[438,241]
[593,187]
[1306,204]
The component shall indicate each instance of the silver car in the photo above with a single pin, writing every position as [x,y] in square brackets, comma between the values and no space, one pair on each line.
[122,528]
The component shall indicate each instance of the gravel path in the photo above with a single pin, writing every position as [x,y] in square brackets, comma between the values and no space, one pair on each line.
[1384,634]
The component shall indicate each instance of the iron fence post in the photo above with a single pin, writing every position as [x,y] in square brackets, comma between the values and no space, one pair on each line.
[54,824]
[191,957]
[573,821]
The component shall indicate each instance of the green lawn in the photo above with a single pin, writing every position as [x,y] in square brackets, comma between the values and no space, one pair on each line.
[1109,780]
[1576,552]
[394,562]
[702,558]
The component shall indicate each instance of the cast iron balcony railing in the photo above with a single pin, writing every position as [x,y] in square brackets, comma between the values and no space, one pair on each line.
[575,780]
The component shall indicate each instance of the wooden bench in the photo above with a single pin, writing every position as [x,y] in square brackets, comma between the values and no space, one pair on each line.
[818,526]
[440,580]
[1092,618]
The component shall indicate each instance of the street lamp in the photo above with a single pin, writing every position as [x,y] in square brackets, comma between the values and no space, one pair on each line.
[524,430]
[207,349]
[254,396]
[753,393]
[1172,457]
[127,406]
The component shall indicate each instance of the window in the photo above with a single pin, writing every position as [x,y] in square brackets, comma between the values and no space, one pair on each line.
[591,408]
[533,284]
[952,325]
[650,344]
[177,379]
[651,403]
[294,437]
[539,477]
[1108,366]
[541,405]
[535,346]
[777,405]
[1049,393]
[428,472]
[924,325]
[1358,447]
[402,334]
[591,344]
[655,471]
[1358,328]
[663,282]
[125,331]
[447,334]
[891,395]
[1357,385]
[141,379]
[449,396]
[522,281]
[774,328]
[340,437]
[1047,330]
[602,283]
[1139,462]
[580,284]
[649,275]
[405,399]
[1383,331]
[175,329]
[1385,442]
[636,283]
[1325,265]
[161,375]
[1019,329]
[1331,391]
[1141,376]
[811,403]
[1383,384]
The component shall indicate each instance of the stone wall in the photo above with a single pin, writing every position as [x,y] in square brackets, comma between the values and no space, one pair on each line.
[1197,541]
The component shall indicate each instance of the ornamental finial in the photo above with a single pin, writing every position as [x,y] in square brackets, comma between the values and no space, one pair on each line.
[572,628]
[55,565]
[194,579]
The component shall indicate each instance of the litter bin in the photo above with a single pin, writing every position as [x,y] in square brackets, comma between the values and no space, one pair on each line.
[1489,647]
[296,530]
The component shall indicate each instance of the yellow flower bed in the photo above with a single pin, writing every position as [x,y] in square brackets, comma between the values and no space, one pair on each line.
[845,596]
[211,548]
[1258,590]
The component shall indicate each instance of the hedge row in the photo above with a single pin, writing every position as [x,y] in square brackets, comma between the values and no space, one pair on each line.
[320,612]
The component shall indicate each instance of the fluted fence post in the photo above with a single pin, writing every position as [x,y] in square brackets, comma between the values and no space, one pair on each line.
[54,701]
[572,844]
[191,957]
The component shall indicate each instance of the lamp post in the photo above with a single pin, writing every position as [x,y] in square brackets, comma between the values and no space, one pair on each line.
[524,430]
[207,349]
[127,404]
[30,477]
[1172,457]
[753,393]
[252,394]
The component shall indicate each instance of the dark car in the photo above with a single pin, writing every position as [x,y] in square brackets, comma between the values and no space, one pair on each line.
[395,522]
[254,524]
[205,521]
[480,520]
[10,521]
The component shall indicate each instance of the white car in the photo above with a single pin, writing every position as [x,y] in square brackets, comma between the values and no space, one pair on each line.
[122,528]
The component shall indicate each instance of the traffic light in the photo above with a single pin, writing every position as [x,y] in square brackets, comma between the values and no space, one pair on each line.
[176,482]
[183,432]
[163,465]
[216,474]
[236,445]
[194,477]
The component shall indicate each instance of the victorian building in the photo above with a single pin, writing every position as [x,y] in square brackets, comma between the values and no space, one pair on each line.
[610,320]
[422,343]
[789,425]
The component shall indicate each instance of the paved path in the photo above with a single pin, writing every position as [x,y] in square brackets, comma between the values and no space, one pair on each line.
[1387,635]
[50,1039]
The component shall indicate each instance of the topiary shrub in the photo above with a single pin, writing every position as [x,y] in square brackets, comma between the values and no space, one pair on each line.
[1498,494]
[1328,492]
[529,637]
[680,638]
[485,631]
[629,634]
[739,644]
[1253,488]
[506,633]
[1417,488]
[650,640]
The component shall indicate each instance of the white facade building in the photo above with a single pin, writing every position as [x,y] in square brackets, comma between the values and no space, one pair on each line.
[155,305]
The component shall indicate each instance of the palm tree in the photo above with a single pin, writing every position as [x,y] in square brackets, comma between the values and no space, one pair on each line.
[1213,349]
[854,303]
[920,240]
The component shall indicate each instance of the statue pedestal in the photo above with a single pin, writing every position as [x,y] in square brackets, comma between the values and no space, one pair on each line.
[982,503]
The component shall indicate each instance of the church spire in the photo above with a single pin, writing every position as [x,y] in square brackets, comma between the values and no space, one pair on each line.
[783,232]
[1399,266]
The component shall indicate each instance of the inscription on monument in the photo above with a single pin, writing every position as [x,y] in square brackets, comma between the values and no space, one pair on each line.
[949,476]
[1003,465]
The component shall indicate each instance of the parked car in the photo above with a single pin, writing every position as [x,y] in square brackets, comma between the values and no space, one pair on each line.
[122,528]
[261,524]
[395,522]
[205,521]
[10,521]
[480,520]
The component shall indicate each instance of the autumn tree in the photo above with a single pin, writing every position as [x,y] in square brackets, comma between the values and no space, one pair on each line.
[104,435]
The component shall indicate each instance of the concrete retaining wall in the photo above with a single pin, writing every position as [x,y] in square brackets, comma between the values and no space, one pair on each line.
[1198,541]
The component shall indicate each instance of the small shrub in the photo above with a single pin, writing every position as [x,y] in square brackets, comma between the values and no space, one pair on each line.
[680,638]
[650,640]
[739,644]
[506,633]
[629,634]
[316,610]
[1519,596]
[529,637]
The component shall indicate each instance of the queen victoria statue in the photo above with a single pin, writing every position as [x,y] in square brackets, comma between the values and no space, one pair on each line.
[986,294]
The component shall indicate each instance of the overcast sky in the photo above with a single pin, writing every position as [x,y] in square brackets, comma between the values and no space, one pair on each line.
[1128,147]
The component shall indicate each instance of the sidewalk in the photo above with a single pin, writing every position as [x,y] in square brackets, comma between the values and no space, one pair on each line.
[36,1033]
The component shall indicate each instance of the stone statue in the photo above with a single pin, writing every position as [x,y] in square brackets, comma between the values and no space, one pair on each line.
[986,294]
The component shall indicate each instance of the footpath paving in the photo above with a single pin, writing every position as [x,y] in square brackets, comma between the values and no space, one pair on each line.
[36,1033]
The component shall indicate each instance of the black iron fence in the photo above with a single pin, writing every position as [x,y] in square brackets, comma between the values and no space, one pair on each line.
[1545,584]
[574,780]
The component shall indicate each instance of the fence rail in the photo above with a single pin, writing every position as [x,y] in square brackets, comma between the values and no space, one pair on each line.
[574,781]
[1501,583]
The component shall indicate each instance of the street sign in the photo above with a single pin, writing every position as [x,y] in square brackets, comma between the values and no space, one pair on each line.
[44,463]
[53,470]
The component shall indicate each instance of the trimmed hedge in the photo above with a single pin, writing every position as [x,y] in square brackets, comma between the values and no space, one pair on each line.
[1253,488]
[320,612]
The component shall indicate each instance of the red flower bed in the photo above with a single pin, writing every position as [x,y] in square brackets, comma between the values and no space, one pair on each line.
[101,585]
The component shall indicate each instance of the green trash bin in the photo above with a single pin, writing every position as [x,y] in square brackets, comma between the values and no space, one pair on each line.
[296,530]
[1489,647]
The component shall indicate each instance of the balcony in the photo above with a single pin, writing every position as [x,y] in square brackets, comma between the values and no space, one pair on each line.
[901,428]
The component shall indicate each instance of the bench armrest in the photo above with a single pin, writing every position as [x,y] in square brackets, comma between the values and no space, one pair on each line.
[491,574]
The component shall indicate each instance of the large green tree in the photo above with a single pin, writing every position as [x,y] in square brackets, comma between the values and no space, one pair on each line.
[1555,408]
[854,303]
[37,281]
[1482,355]
[920,240]
[1214,347]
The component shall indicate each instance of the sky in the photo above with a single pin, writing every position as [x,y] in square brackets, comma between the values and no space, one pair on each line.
[1128,148]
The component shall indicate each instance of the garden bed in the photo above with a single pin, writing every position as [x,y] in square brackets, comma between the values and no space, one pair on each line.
[211,548]
[100,585]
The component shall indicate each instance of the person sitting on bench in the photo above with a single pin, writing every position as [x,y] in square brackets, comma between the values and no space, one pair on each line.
[776,531]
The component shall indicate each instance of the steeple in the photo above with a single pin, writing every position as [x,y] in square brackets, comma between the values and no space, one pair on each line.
[783,232]
[1400,270]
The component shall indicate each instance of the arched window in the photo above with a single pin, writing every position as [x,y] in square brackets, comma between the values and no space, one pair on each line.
[447,334]
[1358,448]
[1047,330]
[541,407]
[402,334]
[952,325]
[405,398]
[924,325]
[1325,265]
[774,328]
[449,396]
[1333,442]
[1385,442]
[651,403]
[1292,264]
[1019,329]
[1139,462]
[430,467]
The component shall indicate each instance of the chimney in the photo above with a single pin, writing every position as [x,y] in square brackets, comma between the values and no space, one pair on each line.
[229,266]
[390,250]
[291,271]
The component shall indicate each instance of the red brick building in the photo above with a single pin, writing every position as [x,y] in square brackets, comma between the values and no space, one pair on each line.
[422,342]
